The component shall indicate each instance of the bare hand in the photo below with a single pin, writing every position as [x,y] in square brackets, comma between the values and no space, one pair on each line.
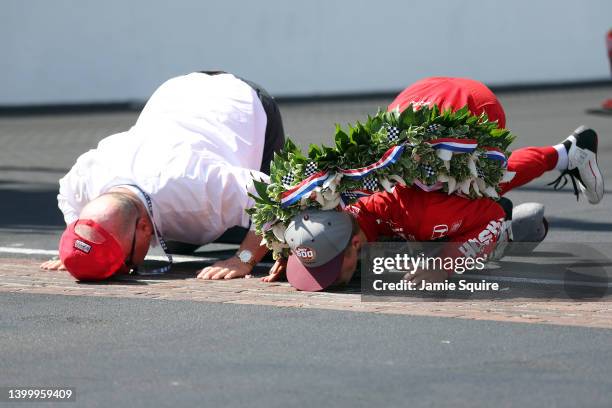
[226,269]
[53,265]
[277,271]
[432,276]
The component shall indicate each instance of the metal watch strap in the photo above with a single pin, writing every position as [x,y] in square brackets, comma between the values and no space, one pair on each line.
[252,262]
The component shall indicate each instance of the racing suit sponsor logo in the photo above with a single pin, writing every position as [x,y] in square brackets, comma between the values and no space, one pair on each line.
[439,231]
[474,246]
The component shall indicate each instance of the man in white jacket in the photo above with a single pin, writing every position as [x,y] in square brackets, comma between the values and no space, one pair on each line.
[182,173]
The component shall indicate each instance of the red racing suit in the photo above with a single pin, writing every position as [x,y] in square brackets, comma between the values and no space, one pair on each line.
[412,214]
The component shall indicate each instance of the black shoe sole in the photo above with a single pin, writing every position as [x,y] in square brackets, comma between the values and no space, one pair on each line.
[586,138]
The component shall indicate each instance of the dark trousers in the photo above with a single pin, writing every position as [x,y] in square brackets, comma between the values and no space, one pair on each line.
[274,138]
[273,142]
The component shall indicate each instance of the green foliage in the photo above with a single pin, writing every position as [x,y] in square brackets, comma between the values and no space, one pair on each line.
[361,144]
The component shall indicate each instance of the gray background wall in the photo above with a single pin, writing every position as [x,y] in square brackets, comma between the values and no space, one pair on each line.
[70,51]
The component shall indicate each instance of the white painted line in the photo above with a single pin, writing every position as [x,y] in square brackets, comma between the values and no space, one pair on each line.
[177,258]
[187,258]
[27,251]
[183,258]
[180,258]
[540,281]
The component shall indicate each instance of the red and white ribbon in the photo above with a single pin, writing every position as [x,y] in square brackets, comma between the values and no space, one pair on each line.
[391,156]
[450,145]
[295,194]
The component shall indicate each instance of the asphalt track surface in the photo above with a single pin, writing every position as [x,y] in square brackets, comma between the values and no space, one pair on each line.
[120,352]
[140,352]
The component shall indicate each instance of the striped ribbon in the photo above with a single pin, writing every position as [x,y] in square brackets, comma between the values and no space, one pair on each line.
[346,196]
[496,154]
[391,156]
[296,193]
[454,145]
[305,187]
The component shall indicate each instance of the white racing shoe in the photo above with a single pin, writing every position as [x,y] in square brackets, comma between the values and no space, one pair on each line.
[582,154]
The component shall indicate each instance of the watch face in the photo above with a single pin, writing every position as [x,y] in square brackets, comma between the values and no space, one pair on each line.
[245,255]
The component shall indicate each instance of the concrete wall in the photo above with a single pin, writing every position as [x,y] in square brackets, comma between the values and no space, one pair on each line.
[72,51]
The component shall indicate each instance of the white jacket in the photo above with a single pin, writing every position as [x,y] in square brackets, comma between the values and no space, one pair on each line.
[194,149]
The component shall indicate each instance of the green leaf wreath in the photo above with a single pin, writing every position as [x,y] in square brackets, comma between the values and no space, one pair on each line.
[471,175]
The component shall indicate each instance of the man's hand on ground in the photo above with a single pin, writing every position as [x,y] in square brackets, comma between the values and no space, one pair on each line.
[277,271]
[432,276]
[226,269]
[53,265]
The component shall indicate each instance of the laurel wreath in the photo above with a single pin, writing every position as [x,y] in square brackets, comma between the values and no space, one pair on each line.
[468,174]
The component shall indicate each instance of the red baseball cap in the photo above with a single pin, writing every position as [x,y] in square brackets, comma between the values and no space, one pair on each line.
[454,94]
[96,258]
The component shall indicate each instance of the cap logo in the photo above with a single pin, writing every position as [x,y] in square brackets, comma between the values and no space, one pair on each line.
[305,254]
[82,246]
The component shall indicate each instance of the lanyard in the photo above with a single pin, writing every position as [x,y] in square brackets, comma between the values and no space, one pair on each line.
[162,242]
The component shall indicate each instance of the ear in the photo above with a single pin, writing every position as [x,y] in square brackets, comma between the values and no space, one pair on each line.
[356,242]
[144,225]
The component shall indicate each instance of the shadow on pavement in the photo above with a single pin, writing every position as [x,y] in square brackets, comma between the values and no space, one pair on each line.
[35,169]
[21,207]
[579,225]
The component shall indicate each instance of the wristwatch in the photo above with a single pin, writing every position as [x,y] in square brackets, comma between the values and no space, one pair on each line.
[246,257]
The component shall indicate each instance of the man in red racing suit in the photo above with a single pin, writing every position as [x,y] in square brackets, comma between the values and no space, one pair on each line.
[411,214]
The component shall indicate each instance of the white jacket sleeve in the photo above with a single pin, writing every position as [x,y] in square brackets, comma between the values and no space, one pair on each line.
[70,200]
[73,195]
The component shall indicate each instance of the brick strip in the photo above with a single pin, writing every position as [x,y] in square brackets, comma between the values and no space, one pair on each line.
[23,276]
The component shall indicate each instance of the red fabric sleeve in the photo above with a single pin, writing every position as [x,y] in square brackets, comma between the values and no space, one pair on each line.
[373,214]
[471,227]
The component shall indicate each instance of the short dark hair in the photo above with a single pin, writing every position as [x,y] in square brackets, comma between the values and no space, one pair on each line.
[355,228]
[128,210]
